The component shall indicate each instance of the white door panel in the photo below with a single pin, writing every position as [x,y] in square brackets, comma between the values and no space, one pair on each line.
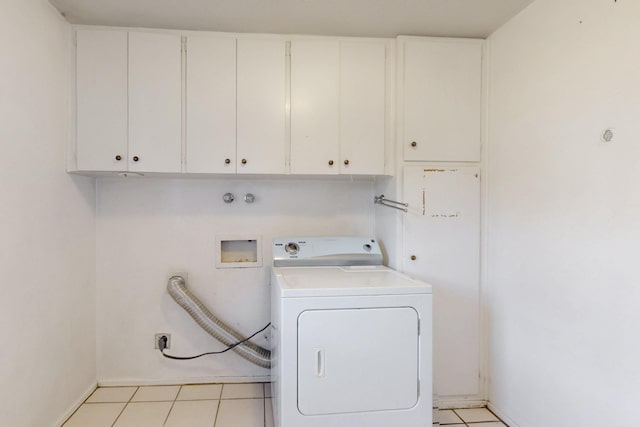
[315,106]
[261,142]
[442,232]
[155,102]
[211,105]
[101,76]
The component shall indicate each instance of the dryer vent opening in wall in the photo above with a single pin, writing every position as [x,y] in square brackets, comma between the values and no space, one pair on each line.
[238,252]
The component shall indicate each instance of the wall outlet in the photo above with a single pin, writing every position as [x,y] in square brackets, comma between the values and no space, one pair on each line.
[157,337]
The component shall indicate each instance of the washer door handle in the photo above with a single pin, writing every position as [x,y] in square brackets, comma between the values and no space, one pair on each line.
[320,362]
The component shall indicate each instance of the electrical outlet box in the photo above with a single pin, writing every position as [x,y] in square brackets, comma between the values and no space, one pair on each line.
[157,338]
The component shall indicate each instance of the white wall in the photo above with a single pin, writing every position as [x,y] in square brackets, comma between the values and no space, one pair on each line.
[150,228]
[47,226]
[564,214]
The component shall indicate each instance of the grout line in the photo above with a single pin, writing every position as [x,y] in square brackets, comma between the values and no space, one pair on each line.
[172,405]
[219,404]
[264,410]
[120,414]
[125,407]
[215,421]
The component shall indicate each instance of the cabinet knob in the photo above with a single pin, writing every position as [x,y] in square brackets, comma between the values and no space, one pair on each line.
[330,162]
[136,158]
[414,144]
[118,157]
[346,162]
[244,161]
[227,161]
[413,257]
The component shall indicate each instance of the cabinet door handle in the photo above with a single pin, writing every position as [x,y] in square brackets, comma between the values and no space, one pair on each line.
[244,161]
[346,162]
[330,162]
[118,157]
[227,161]
[136,158]
[414,144]
[413,257]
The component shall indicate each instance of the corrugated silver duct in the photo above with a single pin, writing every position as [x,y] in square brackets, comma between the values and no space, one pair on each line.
[224,333]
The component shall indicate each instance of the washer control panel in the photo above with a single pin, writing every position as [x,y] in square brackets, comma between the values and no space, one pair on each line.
[325,251]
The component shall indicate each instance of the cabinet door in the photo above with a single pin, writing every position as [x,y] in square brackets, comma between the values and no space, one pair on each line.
[261,146]
[101,85]
[362,107]
[442,232]
[314,106]
[442,100]
[155,102]
[210,105]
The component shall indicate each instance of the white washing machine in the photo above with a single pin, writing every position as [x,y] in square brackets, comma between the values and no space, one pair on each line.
[352,339]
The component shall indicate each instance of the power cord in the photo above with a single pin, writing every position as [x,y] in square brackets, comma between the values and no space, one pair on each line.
[162,345]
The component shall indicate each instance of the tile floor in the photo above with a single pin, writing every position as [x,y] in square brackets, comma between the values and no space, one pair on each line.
[210,405]
[206,405]
[475,417]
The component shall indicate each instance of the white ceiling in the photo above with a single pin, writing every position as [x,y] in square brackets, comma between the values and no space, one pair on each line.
[373,18]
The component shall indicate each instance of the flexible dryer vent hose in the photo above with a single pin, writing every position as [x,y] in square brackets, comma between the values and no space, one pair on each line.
[224,333]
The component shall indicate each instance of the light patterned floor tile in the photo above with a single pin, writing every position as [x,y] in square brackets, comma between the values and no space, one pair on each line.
[112,394]
[95,415]
[447,416]
[193,413]
[144,414]
[476,415]
[243,391]
[200,392]
[241,413]
[156,394]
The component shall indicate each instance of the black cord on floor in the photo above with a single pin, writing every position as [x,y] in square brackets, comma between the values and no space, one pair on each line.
[162,344]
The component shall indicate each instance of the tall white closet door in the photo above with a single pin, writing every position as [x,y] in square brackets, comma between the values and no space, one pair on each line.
[261,146]
[362,107]
[210,105]
[442,246]
[101,76]
[155,102]
[314,106]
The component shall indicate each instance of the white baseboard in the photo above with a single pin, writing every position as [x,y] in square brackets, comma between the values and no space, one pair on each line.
[184,380]
[501,415]
[74,407]
[461,403]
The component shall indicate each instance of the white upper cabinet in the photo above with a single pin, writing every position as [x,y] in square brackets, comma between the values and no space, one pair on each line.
[337,106]
[362,107]
[101,99]
[210,105]
[442,81]
[315,113]
[261,108]
[155,102]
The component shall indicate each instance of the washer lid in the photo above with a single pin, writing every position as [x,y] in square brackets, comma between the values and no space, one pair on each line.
[345,281]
